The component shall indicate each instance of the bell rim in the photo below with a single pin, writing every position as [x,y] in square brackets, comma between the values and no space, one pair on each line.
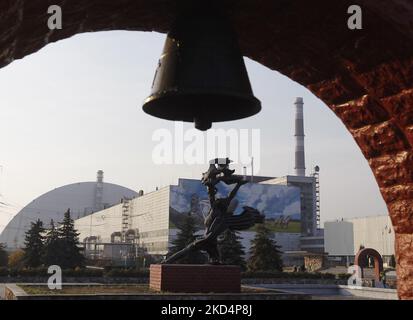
[253,103]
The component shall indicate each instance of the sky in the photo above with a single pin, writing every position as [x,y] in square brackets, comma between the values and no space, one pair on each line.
[74,107]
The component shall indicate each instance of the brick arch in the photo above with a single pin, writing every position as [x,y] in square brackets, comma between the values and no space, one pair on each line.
[362,261]
[365,76]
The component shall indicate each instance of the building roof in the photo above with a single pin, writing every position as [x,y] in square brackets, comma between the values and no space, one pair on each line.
[78,197]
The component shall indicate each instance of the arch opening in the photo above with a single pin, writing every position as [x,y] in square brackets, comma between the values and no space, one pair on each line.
[364,259]
[365,77]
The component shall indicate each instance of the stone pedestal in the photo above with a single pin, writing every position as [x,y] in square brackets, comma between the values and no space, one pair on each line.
[195,278]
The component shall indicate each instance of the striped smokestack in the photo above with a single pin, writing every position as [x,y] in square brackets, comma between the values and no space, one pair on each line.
[299,138]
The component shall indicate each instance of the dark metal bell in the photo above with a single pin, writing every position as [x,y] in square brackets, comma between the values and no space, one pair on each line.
[201,75]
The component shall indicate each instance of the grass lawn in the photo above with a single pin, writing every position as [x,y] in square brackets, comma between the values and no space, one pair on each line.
[105,289]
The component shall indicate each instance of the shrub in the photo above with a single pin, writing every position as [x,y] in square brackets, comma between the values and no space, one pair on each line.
[287,275]
[3,256]
[4,272]
[28,272]
[263,275]
[80,272]
[16,259]
[126,273]
[343,276]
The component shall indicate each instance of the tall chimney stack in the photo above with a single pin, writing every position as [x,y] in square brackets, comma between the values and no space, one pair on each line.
[299,138]
[99,176]
[99,191]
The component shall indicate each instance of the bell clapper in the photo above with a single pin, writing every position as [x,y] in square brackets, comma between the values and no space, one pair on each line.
[202,124]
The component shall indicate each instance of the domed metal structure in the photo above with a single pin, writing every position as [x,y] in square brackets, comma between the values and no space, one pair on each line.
[80,198]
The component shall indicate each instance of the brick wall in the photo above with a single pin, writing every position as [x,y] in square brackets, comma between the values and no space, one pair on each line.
[195,278]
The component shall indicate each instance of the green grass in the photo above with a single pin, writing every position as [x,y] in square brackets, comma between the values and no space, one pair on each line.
[107,289]
[104,289]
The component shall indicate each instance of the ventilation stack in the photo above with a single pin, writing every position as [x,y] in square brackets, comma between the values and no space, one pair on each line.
[299,138]
[99,191]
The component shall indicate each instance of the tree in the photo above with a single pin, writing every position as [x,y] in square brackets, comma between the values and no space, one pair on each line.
[264,252]
[3,256]
[52,247]
[392,261]
[16,259]
[70,255]
[231,249]
[186,235]
[34,245]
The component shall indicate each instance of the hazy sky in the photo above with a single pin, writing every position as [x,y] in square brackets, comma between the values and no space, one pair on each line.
[75,107]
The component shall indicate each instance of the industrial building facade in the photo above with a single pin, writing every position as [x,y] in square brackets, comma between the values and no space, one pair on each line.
[82,198]
[344,238]
[148,223]
[142,221]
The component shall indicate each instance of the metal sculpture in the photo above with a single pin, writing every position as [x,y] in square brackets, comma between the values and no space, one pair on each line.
[221,214]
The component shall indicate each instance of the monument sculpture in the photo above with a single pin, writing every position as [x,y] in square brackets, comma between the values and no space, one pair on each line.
[221,214]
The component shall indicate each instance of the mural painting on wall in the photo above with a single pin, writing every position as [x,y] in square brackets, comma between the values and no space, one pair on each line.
[280,204]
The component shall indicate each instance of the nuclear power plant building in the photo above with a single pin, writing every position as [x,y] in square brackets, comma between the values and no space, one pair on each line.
[82,198]
[116,223]
[149,222]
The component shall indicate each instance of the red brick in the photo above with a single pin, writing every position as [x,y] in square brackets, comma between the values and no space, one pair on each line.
[195,278]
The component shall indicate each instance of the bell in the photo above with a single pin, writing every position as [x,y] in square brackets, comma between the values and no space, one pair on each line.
[201,75]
